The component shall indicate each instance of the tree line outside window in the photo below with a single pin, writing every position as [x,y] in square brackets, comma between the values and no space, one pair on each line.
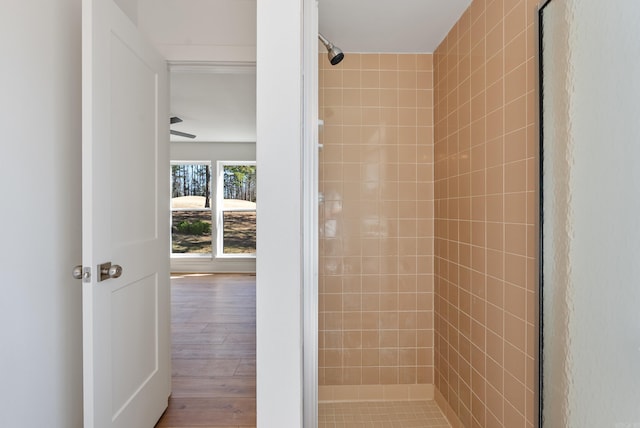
[240,182]
[190,179]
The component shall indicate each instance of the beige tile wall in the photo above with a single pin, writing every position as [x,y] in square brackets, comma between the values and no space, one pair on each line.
[485,214]
[376,221]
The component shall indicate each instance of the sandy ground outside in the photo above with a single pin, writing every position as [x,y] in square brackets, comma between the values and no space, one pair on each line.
[198,202]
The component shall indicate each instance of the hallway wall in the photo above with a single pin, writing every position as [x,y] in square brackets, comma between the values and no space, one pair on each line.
[485,215]
[376,221]
[41,307]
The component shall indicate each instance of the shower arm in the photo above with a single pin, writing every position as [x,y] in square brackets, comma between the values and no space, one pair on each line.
[327,44]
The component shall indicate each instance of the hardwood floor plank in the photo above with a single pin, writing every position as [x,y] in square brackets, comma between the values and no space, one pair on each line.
[185,327]
[199,338]
[212,412]
[213,352]
[244,338]
[235,350]
[221,317]
[210,367]
[246,368]
[216,387]
[227,328]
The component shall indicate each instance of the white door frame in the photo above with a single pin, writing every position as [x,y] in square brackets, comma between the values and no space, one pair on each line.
[310,206]
[285,228]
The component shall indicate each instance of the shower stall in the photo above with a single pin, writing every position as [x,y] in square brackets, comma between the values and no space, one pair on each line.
[427,253]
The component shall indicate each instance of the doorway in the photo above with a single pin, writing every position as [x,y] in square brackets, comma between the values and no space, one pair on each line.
[213,168]
[213,233]
[226,31]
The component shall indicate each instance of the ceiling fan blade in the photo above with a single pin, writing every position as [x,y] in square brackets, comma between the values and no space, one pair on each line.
[175,119]
[182,134]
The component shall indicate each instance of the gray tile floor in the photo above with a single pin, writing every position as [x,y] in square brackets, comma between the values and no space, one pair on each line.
[387,414]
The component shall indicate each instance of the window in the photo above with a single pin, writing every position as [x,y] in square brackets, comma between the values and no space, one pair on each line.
[191,215]
[236,217]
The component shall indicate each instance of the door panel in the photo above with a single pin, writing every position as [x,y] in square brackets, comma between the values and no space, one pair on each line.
[134,201]
[134,350]
[125,221]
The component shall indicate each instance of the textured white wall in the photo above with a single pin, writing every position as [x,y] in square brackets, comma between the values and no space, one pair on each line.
[40,307]
[591,214]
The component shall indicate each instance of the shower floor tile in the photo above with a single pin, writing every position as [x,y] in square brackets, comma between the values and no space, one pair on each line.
[387,414]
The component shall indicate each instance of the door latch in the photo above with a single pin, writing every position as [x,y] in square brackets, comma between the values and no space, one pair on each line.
[82,273]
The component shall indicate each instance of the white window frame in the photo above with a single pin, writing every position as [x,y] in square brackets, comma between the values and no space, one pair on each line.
[220,210]
[211,209]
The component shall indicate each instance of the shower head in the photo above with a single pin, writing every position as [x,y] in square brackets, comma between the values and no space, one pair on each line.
[335,53]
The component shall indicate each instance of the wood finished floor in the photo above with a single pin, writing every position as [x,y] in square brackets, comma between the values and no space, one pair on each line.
[214,352]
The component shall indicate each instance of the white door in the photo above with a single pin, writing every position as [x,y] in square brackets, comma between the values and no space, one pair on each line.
[125,221]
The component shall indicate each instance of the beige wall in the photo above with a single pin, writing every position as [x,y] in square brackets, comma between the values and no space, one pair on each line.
[485,215]
[376,221]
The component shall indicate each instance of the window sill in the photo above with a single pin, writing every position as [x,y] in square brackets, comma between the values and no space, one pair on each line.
[207,256]
[235,256]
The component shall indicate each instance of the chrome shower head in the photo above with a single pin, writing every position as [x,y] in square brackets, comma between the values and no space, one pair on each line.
[335,53]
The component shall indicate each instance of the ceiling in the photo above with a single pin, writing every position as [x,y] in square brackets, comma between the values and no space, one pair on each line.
[217,104]
[220,105]
[201,30]
[416,26]
[225,30]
